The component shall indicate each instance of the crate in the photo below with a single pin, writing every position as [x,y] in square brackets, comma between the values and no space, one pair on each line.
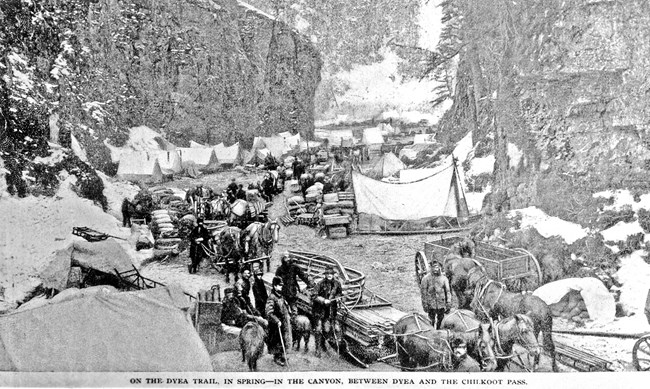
[337,232]
[336,220]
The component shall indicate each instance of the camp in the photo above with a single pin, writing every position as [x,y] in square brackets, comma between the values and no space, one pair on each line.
[228,156]
[387,165]
[139,166]
[169,161]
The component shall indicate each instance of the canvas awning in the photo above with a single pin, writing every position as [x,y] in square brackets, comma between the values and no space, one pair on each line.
[437,195]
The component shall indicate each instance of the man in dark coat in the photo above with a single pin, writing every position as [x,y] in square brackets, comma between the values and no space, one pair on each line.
[324,309]
[259,293]
[461,361]
[199,237]
[244,285]
[279,317]
[232,187]
[232,313]
[241,193]
[126,213]
[289,272]
[436,294]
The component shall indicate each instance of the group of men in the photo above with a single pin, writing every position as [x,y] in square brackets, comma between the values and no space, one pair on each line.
[436,301]
[275,310]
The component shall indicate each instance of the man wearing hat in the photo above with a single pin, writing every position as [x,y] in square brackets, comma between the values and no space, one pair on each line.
[279,317]
[259,292]
[461,361]
[232,313]
[290,272]
[199,237]
[324,308]
[436,294]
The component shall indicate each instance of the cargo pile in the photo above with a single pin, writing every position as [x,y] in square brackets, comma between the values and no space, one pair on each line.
[165,230]
[337,211]
[571,307]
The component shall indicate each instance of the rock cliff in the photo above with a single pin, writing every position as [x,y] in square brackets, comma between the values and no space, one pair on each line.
[207,70]
[558,91]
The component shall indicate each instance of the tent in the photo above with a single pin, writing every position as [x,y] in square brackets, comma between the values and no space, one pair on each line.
[598,302]
[335,138]
[387,165]
[139,166]
[292,141]
[103,257]
[388,130]
[230,155]
[169,161]
[104,332]
[424,139]
[204,158]
[276,145]
[256,157]
[196,145]
[431,197]
[309,145]
[372,136]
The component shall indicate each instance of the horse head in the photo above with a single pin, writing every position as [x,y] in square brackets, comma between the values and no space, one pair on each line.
[271,230]
[485,347]
[525,333]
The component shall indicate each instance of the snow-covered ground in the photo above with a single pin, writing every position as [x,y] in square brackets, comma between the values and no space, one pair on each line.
[549,226]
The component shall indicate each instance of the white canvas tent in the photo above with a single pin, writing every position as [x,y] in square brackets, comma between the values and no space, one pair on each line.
[372,136]
[203,158]
[387,165]
[196,145]
[139,166]
[169,161]
[439,195]
[230,155]
[276,145]
[256,157]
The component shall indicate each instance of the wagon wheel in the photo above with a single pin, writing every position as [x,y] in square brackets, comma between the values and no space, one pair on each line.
[421,266]
[641,354]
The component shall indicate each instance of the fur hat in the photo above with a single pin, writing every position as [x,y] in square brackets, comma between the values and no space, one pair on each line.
[329,270]
[458,342]
[229,290]
[277,281]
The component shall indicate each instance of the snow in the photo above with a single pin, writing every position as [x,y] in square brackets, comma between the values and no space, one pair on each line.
[549,226]
[33,228]
[475,200]
[481,166]
[115,192]
[56,156]
[514,154]
[623,198]
[429,21]
[621,230]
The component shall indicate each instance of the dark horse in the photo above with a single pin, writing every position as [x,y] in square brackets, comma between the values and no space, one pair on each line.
[259,239]
[490,299]
[230,250]
[457,264]
[421,347]
[517,329]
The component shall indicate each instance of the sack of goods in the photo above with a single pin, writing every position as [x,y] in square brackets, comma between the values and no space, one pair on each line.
[347,211]
[331,198]
[294,186]
[348,204]
[327,206]
[337,232]
[312,197]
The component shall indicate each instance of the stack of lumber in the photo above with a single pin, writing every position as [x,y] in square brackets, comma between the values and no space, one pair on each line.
[338,209]
[571,307]
[165,230]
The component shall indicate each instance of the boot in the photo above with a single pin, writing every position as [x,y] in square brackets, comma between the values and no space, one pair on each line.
[317,341]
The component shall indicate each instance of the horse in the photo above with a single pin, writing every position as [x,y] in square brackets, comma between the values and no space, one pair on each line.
[239,213]
[516,329]
[220,208]
[230,250]
[492,300]
[421,347]
[259,238]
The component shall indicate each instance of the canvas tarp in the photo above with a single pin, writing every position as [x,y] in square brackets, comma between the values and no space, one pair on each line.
[385,166]
[230,155]
[372,136]
[599,302]
[114,332]
[104,256]
[438,195]
[139,166]
[203,158]
[169,161]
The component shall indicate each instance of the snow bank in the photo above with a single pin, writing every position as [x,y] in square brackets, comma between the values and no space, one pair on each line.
[623,198]
[115,192]
[484,165]
[621,230]
[35,227]
[549,226]
[141,138]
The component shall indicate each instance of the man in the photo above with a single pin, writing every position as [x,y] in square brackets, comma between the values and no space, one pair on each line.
[461,361]
[324,309]
[436,294]
[232,311]
[259,292]
[244,284]
[327,186]
[278,314]
[241,193]
[243,298]
[282,171]
[232,187]
[126,213]
[289,272]
[199,237]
